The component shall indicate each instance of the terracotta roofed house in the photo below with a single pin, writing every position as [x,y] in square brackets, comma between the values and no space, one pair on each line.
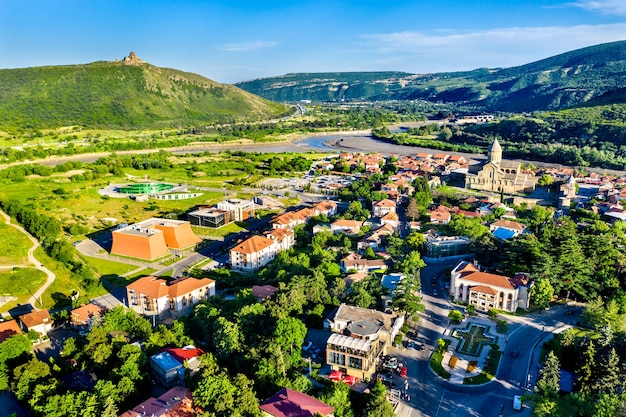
[8,328]
[154,296]
[488,291]
[253,253]
[346,226]
[37,320]
[177,402]
[505,229]
[81,317]
[289,403]
[382,207]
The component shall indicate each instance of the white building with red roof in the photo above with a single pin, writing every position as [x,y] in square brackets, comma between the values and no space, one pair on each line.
[487,291]
[382,207]
[253,253]
[81,317]
[37,320]
[152,296]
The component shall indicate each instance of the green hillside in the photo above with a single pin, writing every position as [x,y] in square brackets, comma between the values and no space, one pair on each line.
[557,82]
[116,94]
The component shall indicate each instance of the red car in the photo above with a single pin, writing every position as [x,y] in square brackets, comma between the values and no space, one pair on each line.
[403,372]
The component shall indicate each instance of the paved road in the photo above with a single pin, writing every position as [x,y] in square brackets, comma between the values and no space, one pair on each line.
[434,397]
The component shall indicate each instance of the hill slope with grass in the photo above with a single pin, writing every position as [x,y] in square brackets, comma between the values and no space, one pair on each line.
[553,83]
[119,95]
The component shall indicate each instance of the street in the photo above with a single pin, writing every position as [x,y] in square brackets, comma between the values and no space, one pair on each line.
[433,396]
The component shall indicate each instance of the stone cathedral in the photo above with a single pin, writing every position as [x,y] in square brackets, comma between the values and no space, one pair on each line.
[498,175]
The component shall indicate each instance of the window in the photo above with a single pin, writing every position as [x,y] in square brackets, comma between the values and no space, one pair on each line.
[355,362]
[337,358]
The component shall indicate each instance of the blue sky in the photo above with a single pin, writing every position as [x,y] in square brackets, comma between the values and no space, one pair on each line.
[230,41]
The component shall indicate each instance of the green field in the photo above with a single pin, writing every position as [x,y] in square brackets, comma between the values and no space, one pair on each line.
[20,283]
[14,246]
[106,267]
[221,232]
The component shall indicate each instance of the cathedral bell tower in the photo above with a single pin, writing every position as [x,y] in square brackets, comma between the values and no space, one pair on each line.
[495,152]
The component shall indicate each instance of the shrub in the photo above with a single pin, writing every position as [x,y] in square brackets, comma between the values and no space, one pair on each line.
[453,361]
[455,316]
[493,313]
[502,326]
[404,328]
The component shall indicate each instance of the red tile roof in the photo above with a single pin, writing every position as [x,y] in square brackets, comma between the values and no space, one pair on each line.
[187,285]
[8,328]
[35,318]
[484,289]
[176,402]
[488,279]
[509,224]
[385,203]
[253,245]
[263,291]
[151,286]
[289,403]
[185,353]
[82,314]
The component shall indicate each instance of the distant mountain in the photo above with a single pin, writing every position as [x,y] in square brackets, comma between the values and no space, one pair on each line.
[129,94]
[561,81]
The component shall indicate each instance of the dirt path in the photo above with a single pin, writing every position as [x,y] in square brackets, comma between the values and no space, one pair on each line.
[50,277]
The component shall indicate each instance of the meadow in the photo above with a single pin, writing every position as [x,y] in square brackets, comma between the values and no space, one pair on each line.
[14,246]
[71,196]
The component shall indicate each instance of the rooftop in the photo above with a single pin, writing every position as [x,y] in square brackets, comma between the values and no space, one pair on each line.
[289,403]
[337,339]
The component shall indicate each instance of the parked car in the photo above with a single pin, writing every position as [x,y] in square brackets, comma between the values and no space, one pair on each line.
[435,292]
[403,371]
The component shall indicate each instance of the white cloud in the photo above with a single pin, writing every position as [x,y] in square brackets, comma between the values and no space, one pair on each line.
[614,7]
[448,50]
[247,46]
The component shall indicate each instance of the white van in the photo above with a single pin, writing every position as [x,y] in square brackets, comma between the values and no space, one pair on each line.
[517,402]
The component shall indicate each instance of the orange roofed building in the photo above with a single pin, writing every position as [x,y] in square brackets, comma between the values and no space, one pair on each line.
[253,253]
[177,402]
[488,291]
[8,328]
[152,296]
[153,238]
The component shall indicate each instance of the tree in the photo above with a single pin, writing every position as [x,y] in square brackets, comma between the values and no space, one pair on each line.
[545,180]
[227,338]
[608,380]
[376,404]
[549,375]
[412,210]
[456,316]
[587,370]
[338,396]
[405,297]
[541,293]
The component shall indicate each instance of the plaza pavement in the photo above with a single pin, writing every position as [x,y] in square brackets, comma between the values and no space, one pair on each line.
[459,372]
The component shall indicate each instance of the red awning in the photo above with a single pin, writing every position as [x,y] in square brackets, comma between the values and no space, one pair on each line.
[335,376]
[350,380]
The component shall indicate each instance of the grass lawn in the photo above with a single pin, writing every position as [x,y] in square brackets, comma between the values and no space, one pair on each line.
[435,361]
[20,283]
[221,232]
[14,246]
[106,267]
[58,294]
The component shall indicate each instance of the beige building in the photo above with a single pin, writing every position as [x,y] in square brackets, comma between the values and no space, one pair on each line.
[360,337]
[498,175]
[253,253]
[152,296]
[489,291]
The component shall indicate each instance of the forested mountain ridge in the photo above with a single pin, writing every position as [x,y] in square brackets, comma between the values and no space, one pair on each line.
[557,82]
[116,94]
